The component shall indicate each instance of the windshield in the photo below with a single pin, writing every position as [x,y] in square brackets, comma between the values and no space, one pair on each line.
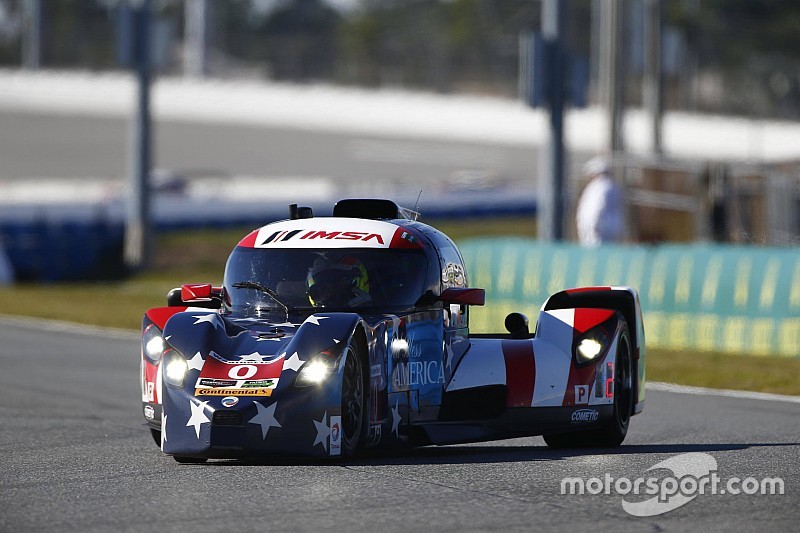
[265,280]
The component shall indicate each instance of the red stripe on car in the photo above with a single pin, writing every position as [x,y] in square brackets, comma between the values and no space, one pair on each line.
[403,238]
[520,372]
[250,240]
[160,315]
[586,289]
[586,319]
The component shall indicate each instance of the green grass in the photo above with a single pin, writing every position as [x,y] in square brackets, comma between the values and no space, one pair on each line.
[725,371]
[199,257]
[181,257]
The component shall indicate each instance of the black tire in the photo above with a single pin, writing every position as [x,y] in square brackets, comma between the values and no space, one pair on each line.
[354,399]
[156,436]
[614,431]
[189,460]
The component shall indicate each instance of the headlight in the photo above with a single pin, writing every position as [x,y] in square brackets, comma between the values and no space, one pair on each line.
[313,372]
[175,368]
[152,344]
[589,349]
[591,346]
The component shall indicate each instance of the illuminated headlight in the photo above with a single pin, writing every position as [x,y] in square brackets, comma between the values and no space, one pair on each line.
[589,349]
[153,344]
[313,372]
[175,368]
[591,346]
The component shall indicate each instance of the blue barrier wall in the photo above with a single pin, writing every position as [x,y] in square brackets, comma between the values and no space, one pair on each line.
[66,250]
[701,297]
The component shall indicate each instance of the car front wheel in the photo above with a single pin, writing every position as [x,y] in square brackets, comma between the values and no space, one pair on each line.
[354,425]
[613,432]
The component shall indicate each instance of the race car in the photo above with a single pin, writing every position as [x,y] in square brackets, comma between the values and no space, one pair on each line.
[331,335]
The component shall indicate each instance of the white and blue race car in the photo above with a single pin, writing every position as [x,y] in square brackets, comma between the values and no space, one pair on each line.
[335,334]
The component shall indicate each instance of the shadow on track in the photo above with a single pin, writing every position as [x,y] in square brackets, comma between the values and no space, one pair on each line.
[488,454]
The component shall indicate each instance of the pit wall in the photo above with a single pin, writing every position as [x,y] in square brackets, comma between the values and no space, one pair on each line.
[703,297]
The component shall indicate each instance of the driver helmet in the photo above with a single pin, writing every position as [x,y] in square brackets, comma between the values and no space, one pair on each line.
[340,281]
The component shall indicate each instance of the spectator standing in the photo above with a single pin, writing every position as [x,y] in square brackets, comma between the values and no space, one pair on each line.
[599,214]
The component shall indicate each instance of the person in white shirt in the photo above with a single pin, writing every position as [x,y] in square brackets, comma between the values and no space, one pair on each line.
[599,214]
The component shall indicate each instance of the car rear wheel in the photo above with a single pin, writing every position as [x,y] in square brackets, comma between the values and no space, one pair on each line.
[354,406]
[613,432]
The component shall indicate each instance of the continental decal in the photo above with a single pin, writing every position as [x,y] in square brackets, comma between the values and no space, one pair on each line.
[233,392]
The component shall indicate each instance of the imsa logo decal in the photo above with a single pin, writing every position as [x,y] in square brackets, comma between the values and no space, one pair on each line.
[283,236]
[327,233]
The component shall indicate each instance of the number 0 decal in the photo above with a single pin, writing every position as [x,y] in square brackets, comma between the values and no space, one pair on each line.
[242,371]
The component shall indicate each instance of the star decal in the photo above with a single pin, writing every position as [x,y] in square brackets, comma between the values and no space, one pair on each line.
[211,318]
[196,362]
[254,357]
[163,431]
[265,418]
[293,362]
[261,339]
[449,362]
[313,319]
[336,341]
[323,431]
[198,417]
[285,325]
[396,418]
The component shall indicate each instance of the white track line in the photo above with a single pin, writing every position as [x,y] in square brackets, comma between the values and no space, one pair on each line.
[703,391]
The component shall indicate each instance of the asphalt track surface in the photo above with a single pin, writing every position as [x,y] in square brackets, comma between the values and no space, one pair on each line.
[51,145]
[75,456]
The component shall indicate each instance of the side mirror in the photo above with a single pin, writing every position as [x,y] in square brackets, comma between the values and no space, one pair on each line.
[517,326]
[465,296]
[196,294]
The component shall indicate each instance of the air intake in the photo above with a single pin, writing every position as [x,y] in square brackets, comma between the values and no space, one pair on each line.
[227,418]
[366,208]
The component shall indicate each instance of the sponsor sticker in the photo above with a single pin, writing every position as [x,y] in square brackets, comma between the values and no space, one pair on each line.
[149,412]
[374,435]
[375,371]
[582,416]
[150,391]
[453,275]
[260,383]
[336,435]
[321,233]
[225,387]
[207,382]
[581,394]
[238,392]
[230,401]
